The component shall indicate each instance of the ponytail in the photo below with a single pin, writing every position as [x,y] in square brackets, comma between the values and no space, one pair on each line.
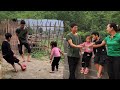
[118,28]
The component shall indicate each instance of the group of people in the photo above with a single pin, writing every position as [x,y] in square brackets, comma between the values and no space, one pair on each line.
[103,51]
[21,35]
[106,51]
[8,54]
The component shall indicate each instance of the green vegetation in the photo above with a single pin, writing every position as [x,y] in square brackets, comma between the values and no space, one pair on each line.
[41,52]
[88,21]
[38,54]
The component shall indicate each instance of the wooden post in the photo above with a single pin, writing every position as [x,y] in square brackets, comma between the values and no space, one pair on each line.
[49,35]
[66,67]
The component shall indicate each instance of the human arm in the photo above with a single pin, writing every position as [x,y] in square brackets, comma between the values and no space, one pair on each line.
[61,52]
[83,44]
[27,29]
[17,36]
[98,45]
[51,55]
[93,55]
[70,42]
[73,45]
[51,58]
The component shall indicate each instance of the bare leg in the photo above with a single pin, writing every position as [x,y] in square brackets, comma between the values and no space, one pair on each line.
[14,67]
[23,57]
[28,58]
[100,71]
[97,67]
[21,66]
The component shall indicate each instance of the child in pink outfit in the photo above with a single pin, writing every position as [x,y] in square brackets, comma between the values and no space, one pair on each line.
[55,55]
[88,52]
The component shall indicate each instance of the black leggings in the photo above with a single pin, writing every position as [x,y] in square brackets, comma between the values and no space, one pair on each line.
[86,59]
[113,64]
[55,63]
[26,45]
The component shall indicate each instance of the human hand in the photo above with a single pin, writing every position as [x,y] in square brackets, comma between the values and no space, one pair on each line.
[79,46]
[14,56]
[93,56]
[91,45]
[51,61]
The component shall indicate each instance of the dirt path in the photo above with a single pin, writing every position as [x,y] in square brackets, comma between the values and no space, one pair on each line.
[37,69]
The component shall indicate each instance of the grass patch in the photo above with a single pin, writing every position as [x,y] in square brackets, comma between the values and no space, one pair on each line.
[39,54]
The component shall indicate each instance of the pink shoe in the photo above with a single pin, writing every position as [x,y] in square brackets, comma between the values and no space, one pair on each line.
[82,70]
[86,71]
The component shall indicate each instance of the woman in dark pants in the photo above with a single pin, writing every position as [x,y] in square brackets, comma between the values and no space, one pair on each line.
[113,51]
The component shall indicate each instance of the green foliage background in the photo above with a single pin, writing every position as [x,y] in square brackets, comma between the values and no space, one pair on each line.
[88,21]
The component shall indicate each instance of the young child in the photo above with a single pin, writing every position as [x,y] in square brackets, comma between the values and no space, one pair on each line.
[100,54]
[88,53]
[8,54]
[55,56]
